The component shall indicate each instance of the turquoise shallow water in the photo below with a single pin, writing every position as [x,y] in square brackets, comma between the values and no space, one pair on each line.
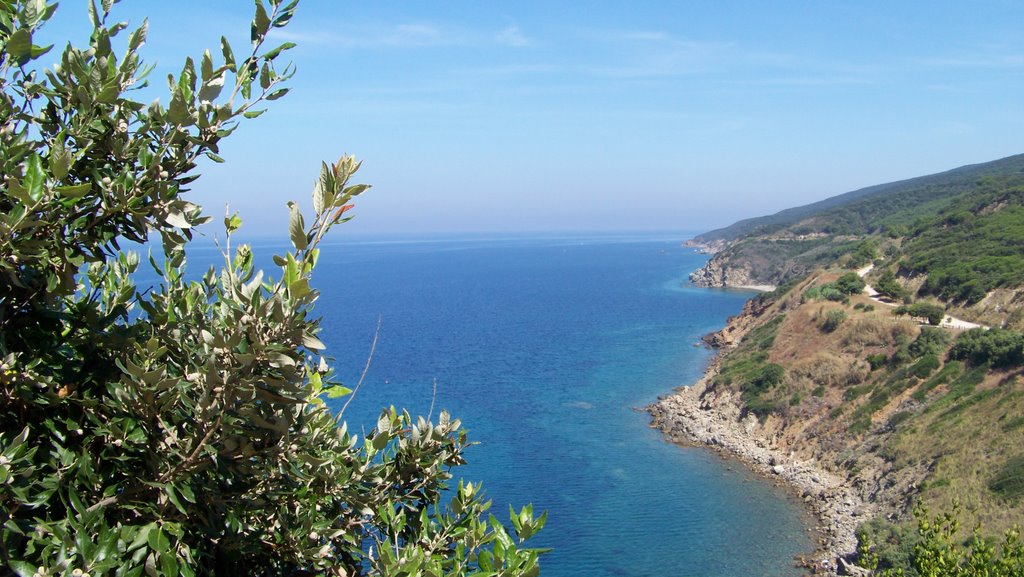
[546,348]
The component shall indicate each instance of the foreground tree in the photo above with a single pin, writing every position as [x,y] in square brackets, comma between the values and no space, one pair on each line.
[939,551]
[181,429]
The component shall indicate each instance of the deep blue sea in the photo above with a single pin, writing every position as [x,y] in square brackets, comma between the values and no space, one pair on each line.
[547,348]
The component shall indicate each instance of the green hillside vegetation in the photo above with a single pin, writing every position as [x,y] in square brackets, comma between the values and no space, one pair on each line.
[951,238]
[869,208]
[973,245]
[885,397]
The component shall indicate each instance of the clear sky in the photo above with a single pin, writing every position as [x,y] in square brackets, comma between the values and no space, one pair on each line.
[589,115]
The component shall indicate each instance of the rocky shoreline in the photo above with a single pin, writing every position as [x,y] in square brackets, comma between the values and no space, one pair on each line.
[689,416]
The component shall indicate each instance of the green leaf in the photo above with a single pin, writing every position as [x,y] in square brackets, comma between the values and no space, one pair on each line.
[35,177]
[178,112]
[22,568]
[232,223]
[172,495]
[93,17]
[260,23]
[34,12]
[38,51]
[169,563]
[229,56]
[253,113]
[265,77]
[297,227]
[138,37]
[319,197]
[158,541]
[206,66]
[74,191]
[277,93]
[311,342]
[276,51]
[214,157]
[19,45]
[338,391]
[299,288]
[285,14]
[355,189]
[59,161]
[211,89]
[142,537]
[177,219]
[380,441]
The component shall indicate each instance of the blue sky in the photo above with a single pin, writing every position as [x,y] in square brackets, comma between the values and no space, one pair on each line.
[557,115]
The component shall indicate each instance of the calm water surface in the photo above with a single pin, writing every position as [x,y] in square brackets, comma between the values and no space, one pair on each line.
[546,348]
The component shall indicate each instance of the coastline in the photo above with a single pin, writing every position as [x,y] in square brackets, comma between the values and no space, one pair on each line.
[689,417]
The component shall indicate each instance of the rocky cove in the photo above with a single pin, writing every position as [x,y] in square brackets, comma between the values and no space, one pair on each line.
[689,417]
[715,417]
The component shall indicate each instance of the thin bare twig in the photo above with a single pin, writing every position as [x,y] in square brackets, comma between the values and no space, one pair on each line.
[366,369]
[433,397]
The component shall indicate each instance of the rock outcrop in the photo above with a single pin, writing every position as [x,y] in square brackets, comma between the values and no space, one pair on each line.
[718,273]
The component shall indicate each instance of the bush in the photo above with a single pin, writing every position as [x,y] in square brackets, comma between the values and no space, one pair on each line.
[930,341]
[887,285]
[938,550]
[833,319]
[924,367]
[865,252]
[932,313]
[877,361]
[999,347]
[850,284]
[180,430]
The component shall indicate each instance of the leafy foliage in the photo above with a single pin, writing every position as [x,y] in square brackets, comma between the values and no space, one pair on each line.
[749,369]
[850,283]
[931,312]
[833,319]
[973,246]
[962,229]
[938,552]
[887,285]
[865,252]
[880,207]
[998,347]
[180,430]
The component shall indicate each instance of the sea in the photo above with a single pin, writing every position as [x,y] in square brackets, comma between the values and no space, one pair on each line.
[548,348]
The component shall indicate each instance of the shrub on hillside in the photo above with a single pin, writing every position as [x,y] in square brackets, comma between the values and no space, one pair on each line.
[877,361]
[833,319]
[930,341]
[888,286]
[865,252]
[999,347]
[850,284]
[930,312]
[924,366]
[938,549]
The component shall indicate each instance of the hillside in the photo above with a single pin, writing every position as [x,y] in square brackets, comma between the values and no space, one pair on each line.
[956,240]
[853,366]
[903,413]
[868,206]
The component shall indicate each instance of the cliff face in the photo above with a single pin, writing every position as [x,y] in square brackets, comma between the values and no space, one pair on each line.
[719,273]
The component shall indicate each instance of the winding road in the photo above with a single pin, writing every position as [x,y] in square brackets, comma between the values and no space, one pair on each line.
[949,322]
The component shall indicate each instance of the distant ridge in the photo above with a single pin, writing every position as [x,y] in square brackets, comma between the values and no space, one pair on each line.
[942,184]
